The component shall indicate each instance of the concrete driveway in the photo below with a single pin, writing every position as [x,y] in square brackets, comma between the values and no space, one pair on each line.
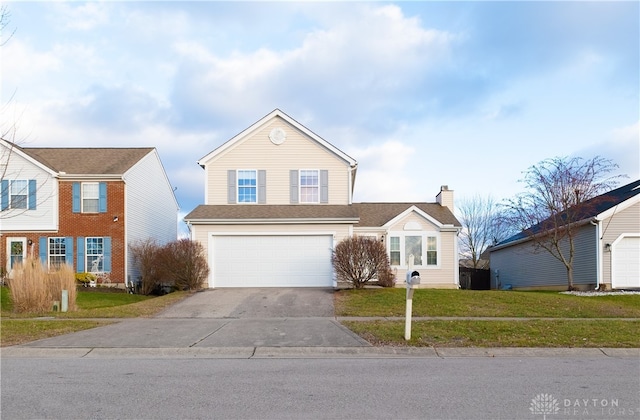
[255,303]
[240,318]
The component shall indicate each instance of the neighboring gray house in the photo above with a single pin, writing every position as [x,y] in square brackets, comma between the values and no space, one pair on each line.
[607,249]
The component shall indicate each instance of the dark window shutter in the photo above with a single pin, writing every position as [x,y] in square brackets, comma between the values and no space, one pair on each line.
[32,194]
[324,186]
[102,197]
[80,265]
[231,186]
[68,250]
[293,178]
[262,187]
[106,263]
[4,187]
[75,189]
[43,251]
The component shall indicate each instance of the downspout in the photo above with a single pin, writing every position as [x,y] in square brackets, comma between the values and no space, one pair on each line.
[595,222]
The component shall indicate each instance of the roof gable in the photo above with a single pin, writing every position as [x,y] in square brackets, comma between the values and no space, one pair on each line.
[384,214]
[257,125]
[14,148]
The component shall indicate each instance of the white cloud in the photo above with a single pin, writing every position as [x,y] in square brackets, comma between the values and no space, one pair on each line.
[383,173]
[81,16]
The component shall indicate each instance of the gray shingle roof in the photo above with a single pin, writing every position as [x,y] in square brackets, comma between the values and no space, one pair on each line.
[88,160]
[361,214]
[377,214]
[260,212]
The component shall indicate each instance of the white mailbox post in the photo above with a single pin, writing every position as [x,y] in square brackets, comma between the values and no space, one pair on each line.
[412,279]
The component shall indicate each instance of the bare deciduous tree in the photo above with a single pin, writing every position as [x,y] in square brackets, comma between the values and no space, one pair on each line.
[481,227]
[560,193]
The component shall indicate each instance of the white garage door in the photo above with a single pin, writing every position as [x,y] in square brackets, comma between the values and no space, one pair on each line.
[272,261]
[626,263]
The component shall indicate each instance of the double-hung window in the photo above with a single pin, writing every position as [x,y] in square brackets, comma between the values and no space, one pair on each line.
[247,186]
[309,186]
[57,251]
[394,250]
[18,194]
[90,197]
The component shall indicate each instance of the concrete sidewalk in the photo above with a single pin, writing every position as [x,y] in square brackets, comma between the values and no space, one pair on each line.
[255,323]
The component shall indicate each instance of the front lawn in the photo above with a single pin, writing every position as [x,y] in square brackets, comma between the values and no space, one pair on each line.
[578,328]
[95,306]
[484,303]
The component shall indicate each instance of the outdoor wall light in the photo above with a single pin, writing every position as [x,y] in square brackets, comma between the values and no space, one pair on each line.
[607,247]
[115,218]
[29,242]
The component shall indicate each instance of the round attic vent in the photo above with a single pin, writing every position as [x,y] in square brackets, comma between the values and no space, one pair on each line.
[277,135]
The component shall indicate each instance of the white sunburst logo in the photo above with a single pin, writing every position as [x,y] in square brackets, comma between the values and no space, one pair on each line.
[544,404]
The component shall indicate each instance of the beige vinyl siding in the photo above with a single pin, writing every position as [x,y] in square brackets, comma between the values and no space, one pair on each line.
[257,152]
[625,222]
[445,274]
[201,233]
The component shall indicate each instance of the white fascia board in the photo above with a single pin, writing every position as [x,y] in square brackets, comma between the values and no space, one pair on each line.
[92,177]
[11,149]
[619,207]
[276,113]
[420,212]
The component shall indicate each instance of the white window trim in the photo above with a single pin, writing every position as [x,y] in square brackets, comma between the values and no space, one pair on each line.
[49,255]
[88,267]
[26,194]
[82,197]
[300,201]
[255,171]
[403,257]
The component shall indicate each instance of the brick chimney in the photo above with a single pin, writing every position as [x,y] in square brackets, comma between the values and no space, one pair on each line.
[445,197]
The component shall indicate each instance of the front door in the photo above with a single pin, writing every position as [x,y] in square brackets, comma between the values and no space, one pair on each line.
[16,252]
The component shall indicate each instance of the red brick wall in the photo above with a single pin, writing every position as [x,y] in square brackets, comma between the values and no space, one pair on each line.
[84,224]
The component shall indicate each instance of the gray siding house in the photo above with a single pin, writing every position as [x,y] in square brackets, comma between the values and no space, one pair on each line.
[607,250]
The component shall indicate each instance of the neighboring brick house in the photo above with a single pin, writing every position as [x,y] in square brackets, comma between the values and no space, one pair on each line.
[83,206]
[278,198]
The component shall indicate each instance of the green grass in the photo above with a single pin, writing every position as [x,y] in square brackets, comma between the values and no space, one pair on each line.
[523,333]
[18,331]
[21,328]
[489,303]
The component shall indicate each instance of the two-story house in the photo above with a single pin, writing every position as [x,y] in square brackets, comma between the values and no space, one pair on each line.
[278,198]
[83,206]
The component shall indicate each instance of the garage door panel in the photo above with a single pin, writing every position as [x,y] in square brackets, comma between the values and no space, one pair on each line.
[626,263]
[272,261]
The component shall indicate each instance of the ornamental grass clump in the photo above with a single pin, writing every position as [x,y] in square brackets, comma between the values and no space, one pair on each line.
[34,289]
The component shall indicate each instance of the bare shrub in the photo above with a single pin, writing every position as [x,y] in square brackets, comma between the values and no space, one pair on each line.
[386,277]
[33,288]
[146,254]
[359,259]
[185,264]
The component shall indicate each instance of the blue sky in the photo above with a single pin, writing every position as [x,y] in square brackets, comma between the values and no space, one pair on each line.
[421,94]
